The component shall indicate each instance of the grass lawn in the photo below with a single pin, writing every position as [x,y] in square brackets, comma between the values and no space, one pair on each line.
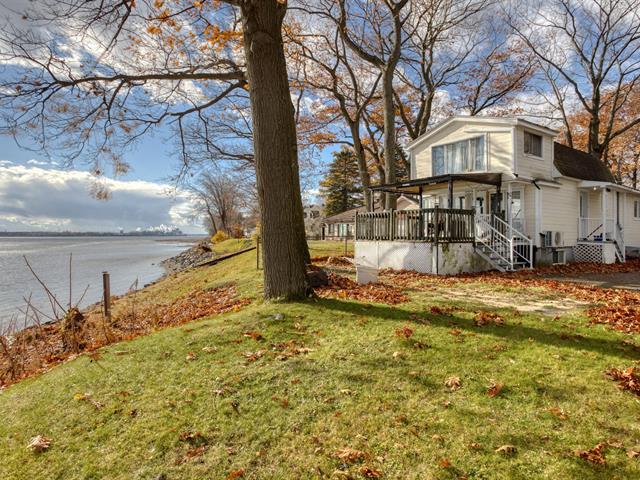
[327,389]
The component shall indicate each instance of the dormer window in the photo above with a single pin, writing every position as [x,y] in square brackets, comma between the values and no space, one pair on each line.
[533,144]
[459,157]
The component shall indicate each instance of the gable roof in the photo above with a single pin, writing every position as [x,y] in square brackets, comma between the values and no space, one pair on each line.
[504,121]
[349,216]
[578,164]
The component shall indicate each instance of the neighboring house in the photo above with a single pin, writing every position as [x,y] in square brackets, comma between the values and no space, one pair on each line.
[341,225]
[499,193]
[313,217]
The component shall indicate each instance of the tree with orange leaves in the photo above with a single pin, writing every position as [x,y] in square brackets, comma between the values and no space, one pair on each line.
[104,74]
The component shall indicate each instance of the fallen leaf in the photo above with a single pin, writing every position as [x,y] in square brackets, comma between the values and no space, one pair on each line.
[494,389]
[350,455]
[398,355]
[405,332]
[627,379]
[634,452]
[594,455]
[506,449]
[558,412]
[191,356]
[370,472]
[236,474]
[39,444]
[444,463]
[453,383]
[209,349]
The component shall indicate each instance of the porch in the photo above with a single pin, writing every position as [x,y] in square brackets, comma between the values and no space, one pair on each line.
[600,224]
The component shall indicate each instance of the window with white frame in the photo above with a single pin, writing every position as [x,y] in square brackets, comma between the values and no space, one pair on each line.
[459,157]
[636,209]
[532,144]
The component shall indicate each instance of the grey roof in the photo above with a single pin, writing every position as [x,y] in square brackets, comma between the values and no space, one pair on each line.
[578,164]
[348,216]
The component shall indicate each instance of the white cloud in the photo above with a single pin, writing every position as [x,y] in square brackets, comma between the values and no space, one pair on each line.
[34,198]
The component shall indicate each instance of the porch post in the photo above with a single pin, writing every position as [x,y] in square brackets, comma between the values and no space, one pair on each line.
[420,216]
[508,208]
[450,192]
[604,213]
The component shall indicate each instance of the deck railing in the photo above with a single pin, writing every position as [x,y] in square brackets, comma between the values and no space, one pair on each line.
[435,225]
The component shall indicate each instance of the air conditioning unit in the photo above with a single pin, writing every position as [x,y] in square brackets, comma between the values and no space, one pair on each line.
[553,239]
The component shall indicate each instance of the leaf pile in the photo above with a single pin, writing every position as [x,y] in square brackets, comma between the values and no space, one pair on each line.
[342,287]
[343,261]
[627,379]
[594,455]
[619,309]
[38,348]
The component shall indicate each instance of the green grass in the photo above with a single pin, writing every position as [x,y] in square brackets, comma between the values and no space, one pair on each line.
[280,419]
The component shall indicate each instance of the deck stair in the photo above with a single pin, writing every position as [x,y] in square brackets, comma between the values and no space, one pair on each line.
[504,247]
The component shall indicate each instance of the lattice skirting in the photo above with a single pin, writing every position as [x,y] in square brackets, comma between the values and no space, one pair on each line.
[589,252]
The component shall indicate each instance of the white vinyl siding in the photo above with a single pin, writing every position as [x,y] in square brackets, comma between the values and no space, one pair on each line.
[498,146]
[530,166]
[631,224]
[560,210]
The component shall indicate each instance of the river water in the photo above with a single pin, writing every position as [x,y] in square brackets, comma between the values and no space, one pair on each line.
[127,259]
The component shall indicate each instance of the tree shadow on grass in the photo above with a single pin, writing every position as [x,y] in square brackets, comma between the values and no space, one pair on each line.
[513,332]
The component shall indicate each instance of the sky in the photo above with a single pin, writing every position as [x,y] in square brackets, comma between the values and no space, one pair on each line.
[38,195]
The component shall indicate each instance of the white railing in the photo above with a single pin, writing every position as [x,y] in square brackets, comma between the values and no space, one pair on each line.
[591,229]
[619,241]
[505,242]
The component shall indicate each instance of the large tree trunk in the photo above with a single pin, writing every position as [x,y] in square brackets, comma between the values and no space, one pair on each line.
[285,250]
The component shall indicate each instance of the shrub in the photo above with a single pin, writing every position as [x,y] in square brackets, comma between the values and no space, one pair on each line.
[220,236]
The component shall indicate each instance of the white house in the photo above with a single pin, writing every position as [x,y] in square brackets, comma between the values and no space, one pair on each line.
[500,193]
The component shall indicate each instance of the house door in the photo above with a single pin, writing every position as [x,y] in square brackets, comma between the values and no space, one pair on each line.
[516,210]
[584,214]
[494,204]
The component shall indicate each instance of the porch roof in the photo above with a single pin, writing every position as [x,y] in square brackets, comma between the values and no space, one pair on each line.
[414,186]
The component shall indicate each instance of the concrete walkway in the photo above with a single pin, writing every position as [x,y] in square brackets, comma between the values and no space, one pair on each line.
[627,280]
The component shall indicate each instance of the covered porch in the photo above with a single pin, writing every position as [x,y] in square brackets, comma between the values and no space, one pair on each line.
[472,224]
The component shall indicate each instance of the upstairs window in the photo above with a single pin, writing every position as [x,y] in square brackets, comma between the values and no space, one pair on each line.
[532,144]
[459,157]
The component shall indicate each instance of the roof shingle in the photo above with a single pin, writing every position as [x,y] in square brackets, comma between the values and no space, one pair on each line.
[578,164]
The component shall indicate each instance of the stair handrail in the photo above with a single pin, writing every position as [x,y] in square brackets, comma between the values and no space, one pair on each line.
[495,234]
[619,240]
[513,235]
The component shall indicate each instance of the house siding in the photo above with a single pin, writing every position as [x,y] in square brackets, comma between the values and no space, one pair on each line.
[530,166]
[631,225]
[560,210]
[499,144]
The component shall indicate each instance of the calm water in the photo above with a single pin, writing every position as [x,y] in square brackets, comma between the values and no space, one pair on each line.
[125,258]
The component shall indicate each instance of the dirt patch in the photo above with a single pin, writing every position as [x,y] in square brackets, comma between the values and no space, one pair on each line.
[525,303]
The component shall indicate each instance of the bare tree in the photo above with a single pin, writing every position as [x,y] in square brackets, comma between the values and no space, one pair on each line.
[222,201]
[594,49]
[104,74]
[343,83]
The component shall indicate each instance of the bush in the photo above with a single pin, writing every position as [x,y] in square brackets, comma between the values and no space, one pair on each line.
[220,236]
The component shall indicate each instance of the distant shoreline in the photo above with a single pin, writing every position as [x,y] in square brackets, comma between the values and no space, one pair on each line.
[98,234]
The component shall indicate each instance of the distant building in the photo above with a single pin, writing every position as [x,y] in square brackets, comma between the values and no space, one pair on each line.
[341,225]
[313,216]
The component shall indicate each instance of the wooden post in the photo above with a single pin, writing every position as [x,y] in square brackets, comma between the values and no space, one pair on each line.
[106,295]
[258,252]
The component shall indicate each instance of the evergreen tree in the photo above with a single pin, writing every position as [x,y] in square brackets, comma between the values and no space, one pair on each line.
[341,187]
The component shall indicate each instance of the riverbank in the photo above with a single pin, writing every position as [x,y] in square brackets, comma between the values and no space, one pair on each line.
[417,377]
